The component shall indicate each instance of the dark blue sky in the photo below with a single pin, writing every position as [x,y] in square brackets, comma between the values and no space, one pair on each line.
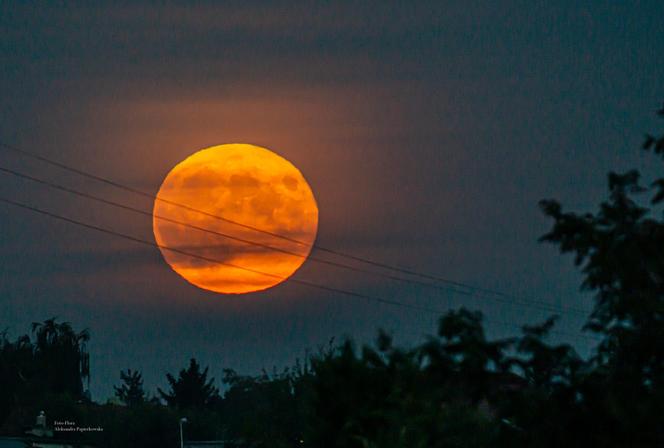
[428,132]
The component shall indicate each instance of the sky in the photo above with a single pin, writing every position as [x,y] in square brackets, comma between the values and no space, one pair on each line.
[428,132]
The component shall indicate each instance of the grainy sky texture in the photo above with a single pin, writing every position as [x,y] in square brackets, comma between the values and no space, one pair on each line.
[428,131]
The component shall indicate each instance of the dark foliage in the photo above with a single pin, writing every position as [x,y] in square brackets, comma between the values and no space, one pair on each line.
[54,361]
[131,390]
[61,357]
[619,250]
[192,389]
[270,409]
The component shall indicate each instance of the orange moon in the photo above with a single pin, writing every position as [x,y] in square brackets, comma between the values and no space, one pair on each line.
[233,190]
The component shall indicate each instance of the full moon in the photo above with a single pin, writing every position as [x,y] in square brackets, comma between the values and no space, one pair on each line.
[257,199]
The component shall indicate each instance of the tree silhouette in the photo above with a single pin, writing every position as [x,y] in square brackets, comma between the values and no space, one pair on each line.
[191,389]
[620,252]
[390,397]
[460,389]
[61,356]
[269,409]
[131,391]
[16,369]
[462,360]
[55,363]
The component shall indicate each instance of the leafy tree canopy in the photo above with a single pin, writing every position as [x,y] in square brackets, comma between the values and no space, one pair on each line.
[131,390]
[191,389]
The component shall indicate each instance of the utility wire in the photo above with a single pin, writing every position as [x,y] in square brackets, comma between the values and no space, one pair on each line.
[255,271]
[273,234]
[56,186]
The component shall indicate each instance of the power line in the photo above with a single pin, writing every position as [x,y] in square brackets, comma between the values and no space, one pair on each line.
[367,261]
[255,271]
[277,249]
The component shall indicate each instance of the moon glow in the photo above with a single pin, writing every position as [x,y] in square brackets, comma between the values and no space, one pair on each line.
[244,184]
